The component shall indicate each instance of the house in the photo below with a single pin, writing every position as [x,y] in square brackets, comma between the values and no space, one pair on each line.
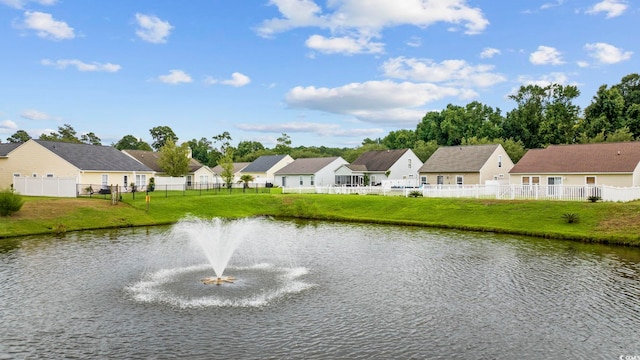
[466,165]
[198,175]
[237,168]
[309,172]
[90,165]
[263,169]
[612,164]
[373,167]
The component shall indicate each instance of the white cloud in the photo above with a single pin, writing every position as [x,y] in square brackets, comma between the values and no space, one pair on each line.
[175,77]
[551,5]
[613,8]
[47,27]
[32,114]
[346,45]
[237,80]
[374,101]
[414,41]
[8,126]
[450,72]
[605,53]
[544,80]
[546,55]
[19,4]
[368,18]
[488,53]
[81,66]
[152,29]
[320,129]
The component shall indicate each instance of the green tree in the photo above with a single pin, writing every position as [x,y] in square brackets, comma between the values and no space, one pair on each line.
[65,133]
[173,159]
[161,135]
[604,114]
[130,142]
[400,139]
[226,163]
[561,116]
[523,122]
[202,151]
[246,179]
[91,139]
[283,145]
[424,150]
[19,136]
[246,148]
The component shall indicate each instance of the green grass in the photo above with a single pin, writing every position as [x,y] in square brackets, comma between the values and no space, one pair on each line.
[601,222]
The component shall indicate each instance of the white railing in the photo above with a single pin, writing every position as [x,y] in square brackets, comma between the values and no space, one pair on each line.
[491,191]
[44,186]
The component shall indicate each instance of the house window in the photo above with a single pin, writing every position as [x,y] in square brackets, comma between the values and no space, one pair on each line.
[554,182]
[423,180]
[301,181]
[499,161]
[440,180]
[372,181]
[313,180]
[284,181]
[189,180]
[49,175]
[409,163]
[141,180]
[125,180]
[459,180]
[530,180]
[591,180]
[204,179]
[105,181]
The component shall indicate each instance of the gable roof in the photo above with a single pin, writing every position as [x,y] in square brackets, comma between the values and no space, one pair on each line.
[263,163]
[377,160]
[93,157]
[6,148]
[237,167]
[469,158]
[306,165]
[150,159]
[582,158]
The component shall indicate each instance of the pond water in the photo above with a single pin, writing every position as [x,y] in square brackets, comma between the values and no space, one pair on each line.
[318,290]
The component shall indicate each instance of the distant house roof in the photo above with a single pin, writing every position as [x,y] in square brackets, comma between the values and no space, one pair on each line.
[237,167]
[583,158]
[306,166]
[5,149]
[377,160]
[469,158]
[150,159]
[93,157]
[263,163]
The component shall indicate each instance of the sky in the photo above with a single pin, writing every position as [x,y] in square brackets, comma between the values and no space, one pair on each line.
[327,73]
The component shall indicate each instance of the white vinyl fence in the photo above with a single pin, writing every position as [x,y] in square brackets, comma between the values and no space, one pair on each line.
[493,191]
[44,186]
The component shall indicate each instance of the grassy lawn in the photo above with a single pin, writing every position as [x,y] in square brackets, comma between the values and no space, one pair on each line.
[598,222]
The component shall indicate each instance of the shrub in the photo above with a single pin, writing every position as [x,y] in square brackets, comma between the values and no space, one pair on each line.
[10,202]
[594,198]
[415,193]
[571,217]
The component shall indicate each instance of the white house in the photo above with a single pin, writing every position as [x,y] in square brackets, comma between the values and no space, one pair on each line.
[309,172]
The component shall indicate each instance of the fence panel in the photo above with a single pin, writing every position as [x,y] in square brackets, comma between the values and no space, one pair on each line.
[45,186]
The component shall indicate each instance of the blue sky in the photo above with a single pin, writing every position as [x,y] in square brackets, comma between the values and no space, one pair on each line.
[326,73]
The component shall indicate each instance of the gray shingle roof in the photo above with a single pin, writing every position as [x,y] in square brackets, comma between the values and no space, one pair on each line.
[263,163]
[583,158]
[93,157]
[150,159]
[378,160]
[237,167]
[306,166]
[5,149]
[468,158]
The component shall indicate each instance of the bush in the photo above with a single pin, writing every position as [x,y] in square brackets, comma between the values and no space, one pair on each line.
[10,202]
[594,198]
[571,217]
[415,193]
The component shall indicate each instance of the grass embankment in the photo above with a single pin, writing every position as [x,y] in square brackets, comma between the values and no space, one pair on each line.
[614,223]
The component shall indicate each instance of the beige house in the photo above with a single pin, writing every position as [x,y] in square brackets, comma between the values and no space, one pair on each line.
[237,172]
[466,165]
[309,172]
[612,164]
[263,169]
[90,165]
[199,175]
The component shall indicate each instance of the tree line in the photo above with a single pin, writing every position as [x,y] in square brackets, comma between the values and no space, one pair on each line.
[542,116]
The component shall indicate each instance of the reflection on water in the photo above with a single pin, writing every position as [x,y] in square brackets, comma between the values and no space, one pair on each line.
[318,290]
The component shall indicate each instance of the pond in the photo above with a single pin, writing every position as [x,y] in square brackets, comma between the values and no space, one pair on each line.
[317,290]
